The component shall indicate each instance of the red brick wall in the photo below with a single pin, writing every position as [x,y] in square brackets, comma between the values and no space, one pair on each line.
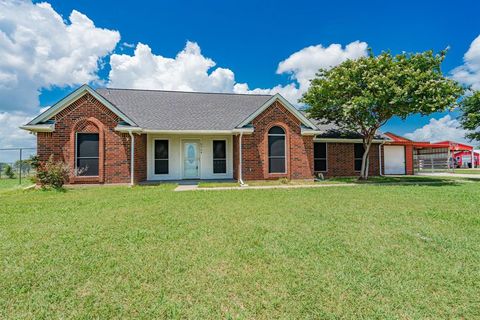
[87,114]
[409,160]
[254,147]
[341,160]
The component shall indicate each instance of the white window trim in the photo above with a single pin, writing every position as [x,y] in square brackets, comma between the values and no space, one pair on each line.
[226,158]
[326,157]
[168,159]
[284,135]
[76,155]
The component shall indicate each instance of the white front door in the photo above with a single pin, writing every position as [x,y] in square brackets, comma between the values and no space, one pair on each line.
[191,160]
[394,159]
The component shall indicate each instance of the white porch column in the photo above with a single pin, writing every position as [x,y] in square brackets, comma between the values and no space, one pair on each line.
[240,178]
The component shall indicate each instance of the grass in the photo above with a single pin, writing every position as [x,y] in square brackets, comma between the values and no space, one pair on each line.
[9,184]
[341,180]
[395,252]
[467,171]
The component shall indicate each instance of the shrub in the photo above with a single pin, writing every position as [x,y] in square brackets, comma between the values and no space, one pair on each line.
[51,173]
[8,171]
[284,181]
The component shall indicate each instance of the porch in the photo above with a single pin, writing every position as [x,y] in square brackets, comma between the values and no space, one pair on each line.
[189,158]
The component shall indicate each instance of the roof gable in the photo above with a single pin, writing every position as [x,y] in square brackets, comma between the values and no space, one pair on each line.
[277,97]
[65,102]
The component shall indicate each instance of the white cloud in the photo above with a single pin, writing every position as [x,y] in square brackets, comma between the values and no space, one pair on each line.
[191,71]
[188,71]
[40,50]
[304,64]
[12,137]
[469,72]
[441,129]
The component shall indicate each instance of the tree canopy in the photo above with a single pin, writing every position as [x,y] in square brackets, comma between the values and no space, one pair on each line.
[470,118]
[362,95]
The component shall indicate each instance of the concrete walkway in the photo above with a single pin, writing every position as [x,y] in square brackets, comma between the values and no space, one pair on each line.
[450,175]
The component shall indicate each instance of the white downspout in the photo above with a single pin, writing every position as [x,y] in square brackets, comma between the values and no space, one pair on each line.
[132,158]
[240,159]
[380,158]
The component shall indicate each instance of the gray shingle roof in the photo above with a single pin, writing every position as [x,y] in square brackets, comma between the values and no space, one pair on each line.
[176,110]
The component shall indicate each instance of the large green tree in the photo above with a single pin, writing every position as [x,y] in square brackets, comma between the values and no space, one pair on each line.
[362,95]
[470,118]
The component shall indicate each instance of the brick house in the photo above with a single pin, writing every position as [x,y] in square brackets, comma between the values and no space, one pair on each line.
[132,136]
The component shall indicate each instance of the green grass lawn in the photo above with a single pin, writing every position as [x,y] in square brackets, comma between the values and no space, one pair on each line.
[340,180]
[8,184]
[368,251]
[468,171]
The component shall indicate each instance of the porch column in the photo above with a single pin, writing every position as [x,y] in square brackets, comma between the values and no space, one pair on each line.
[240,159]
[473,159]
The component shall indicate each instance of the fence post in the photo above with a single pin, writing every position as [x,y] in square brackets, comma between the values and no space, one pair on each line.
[20,168]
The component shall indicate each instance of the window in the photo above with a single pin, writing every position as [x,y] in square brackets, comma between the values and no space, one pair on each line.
[276,150]
[320,156]
[161,156]
[87,154]
[219,156]
[358,156]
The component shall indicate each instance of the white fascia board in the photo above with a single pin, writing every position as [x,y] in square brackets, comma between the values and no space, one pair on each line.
[39,127]
[212,132]
[308,132]
[65,102]
[287,104]
[126,129]
[243,130]
[340,140]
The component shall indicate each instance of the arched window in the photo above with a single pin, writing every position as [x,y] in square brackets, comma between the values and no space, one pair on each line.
[276,150]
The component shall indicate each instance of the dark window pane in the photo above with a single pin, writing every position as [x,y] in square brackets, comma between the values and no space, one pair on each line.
[87,144]
[276,130]
[161,149]
[358,164]
[161,166]
[358,150]
[276,146]
[87,166]
[320,165]
[219,149]
[276,165]
[219,166]
[320,150]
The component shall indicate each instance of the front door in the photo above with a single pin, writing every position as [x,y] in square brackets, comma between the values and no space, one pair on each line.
[191,160]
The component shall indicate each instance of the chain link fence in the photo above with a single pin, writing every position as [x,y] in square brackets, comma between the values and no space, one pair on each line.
[15,164]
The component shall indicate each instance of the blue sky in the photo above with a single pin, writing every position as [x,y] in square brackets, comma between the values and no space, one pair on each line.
[247,38]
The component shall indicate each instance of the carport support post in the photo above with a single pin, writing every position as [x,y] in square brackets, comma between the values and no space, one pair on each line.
[450,163]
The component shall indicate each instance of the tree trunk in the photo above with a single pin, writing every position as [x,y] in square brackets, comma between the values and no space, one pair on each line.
[365,158]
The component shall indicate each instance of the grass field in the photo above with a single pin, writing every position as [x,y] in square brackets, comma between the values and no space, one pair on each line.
[367,251]
[8,184]
[468,171]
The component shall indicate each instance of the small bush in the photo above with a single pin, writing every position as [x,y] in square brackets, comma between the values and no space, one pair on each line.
[8,171]
[51,173]
[284,181]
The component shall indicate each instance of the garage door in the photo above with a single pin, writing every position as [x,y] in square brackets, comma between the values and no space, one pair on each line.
[394,159]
